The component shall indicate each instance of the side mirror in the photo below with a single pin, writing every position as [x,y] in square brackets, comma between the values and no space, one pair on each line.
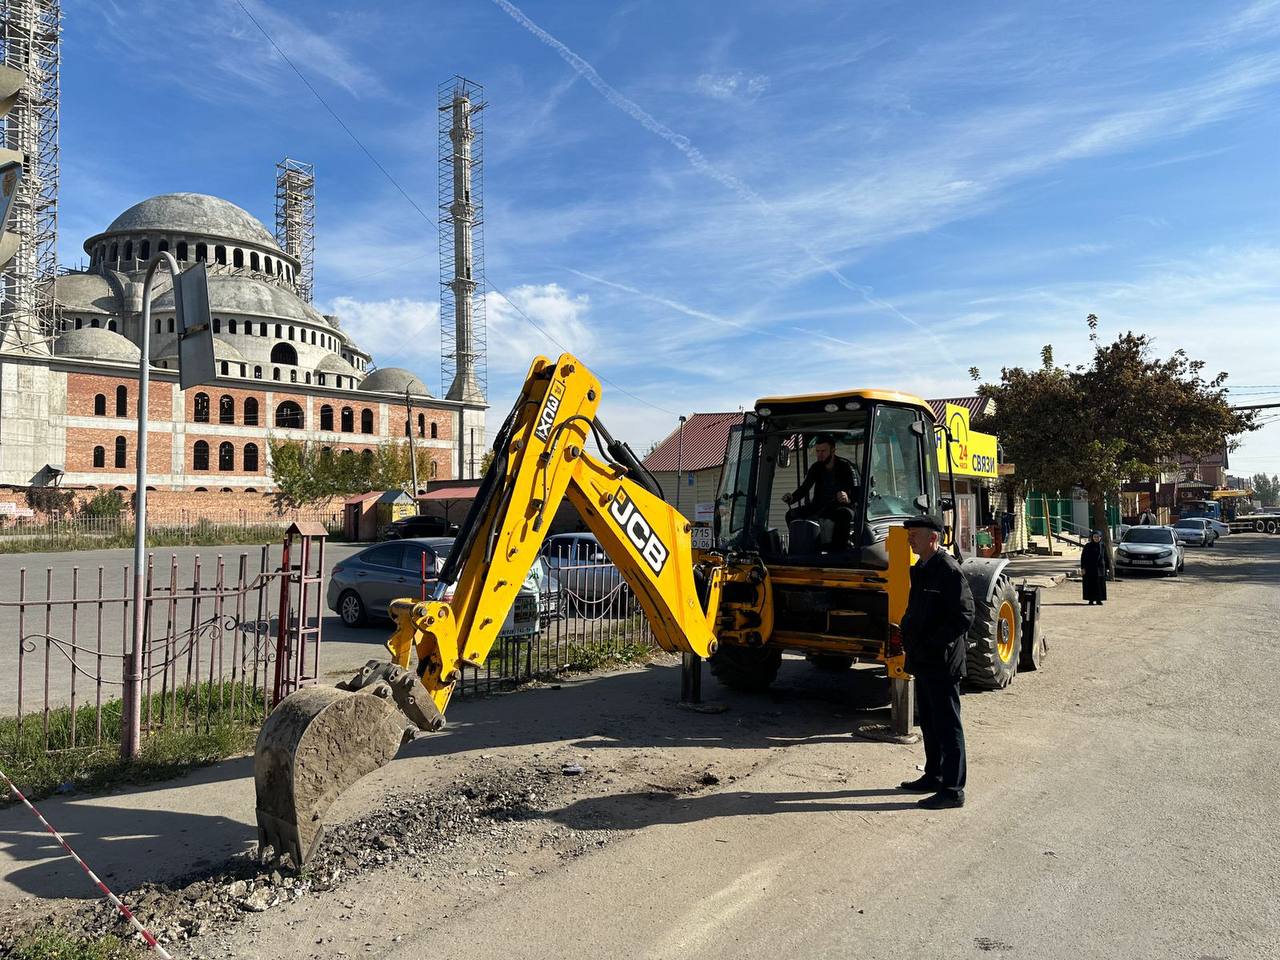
[922,503]
[784,456]
[946,503]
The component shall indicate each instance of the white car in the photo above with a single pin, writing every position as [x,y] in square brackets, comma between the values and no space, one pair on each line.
[1195,531]
[1150,548]
[1220,528]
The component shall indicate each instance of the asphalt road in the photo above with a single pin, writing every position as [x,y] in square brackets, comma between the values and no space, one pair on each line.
[1122,802]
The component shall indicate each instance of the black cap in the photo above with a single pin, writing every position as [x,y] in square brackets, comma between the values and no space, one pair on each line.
[924,522]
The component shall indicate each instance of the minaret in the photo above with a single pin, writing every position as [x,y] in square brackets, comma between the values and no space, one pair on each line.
[461,286]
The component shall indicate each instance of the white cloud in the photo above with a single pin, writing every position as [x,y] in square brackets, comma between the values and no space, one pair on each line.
[560,319]
[730,86]
[398,332]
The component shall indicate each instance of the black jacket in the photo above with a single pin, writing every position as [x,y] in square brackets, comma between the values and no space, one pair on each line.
[843,478]
[939,613]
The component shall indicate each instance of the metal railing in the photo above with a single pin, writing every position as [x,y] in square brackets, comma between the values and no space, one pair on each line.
[209,647]
[180,524]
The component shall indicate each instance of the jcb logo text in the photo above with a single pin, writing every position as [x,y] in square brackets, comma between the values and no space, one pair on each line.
[547,418]
[639,531]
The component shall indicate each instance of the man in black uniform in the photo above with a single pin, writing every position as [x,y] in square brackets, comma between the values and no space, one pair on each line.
[934,636]
[831,483]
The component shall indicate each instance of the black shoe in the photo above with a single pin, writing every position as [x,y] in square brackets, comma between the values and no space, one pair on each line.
[922,785]
[943,800]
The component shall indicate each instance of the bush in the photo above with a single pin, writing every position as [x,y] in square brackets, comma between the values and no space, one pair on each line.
[50,499]
[107,503]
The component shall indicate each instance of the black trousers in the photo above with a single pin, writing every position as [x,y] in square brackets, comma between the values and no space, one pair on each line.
[938,701]
[840,514]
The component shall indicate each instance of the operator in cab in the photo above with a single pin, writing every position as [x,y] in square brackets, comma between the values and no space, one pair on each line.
[831,484]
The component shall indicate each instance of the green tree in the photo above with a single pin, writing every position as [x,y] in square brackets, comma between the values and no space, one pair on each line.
[306,473]
[1266,490]
[1123,416]
[107,503]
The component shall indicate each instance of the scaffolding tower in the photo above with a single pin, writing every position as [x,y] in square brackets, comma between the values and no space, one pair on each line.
[29,36]
[296,219]
[463,354]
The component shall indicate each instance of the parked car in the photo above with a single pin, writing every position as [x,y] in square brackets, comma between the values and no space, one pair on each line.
[550,595]
[1150,548]
[407,528]
[1220,528]
[362,586]
[592,585]
[1196,531]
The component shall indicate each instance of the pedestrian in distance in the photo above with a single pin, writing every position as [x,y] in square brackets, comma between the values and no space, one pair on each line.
[1093,566]
[935,629]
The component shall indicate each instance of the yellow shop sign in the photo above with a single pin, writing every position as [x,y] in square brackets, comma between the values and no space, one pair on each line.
[973,454]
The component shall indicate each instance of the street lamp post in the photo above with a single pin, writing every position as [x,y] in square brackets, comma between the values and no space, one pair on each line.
[131,741]
[679,461]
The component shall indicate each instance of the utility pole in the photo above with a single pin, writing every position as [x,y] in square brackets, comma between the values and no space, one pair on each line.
[679,460]
[413,457]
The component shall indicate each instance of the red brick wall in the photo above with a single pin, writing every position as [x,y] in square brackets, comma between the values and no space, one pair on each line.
[82,440]
[82,387]
[215,395]
[210,476]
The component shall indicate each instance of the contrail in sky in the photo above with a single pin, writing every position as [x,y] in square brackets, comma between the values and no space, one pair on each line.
[698,160]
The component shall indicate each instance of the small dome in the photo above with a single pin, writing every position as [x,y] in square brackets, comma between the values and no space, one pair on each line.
[86,293]
[195,213]
[96,343]
[332,363]
[394,380]
[240,295]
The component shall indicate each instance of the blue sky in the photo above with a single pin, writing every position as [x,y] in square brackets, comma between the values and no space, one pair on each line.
[714,201]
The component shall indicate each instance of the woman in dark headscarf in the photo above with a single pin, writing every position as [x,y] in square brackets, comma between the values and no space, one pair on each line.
[1093,563]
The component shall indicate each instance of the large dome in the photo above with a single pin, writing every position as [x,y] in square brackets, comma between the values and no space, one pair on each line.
[394,380]
[196,214]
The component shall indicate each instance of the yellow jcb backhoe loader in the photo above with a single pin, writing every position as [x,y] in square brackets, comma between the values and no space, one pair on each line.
[764,586]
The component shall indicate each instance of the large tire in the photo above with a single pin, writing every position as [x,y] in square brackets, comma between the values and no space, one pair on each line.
[995,639]
[1259,526]
[1271,527]
[750,669]
[830,662]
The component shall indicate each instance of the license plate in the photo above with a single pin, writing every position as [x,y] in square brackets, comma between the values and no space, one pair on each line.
[1147,562]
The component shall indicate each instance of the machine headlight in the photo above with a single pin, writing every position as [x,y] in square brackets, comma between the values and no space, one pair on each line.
[1122,551]
[831,407]
[1164,553]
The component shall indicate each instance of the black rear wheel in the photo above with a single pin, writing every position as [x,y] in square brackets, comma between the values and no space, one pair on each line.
[750,669]
[995,639]
[830,662]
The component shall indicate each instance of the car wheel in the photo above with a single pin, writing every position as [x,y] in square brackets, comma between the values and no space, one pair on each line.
[351,609]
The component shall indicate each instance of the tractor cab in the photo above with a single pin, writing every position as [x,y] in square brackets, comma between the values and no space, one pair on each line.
[870,458]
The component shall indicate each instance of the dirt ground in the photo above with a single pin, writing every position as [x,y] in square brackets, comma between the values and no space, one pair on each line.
[1122,802]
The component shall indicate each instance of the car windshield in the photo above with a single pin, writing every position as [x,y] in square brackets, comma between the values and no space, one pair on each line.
[1189,525]
[1148,535]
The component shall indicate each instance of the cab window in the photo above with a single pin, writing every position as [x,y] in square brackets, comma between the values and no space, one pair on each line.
[896,474]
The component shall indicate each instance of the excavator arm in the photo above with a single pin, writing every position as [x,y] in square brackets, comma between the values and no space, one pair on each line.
[319,740]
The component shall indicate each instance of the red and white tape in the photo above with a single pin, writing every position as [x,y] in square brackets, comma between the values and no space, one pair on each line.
[128,914]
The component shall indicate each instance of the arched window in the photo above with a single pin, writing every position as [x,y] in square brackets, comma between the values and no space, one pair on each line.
[262,329]
[226,409]
[99,456]
[163,246]
[320,379]
[308,376]
[275,373]
[348,420]
[144,250]
[293,376]
[202,252]
[237,257]
[250,412]
[100,405]
[217,324]
[122,401]
[250,458]
[115,250]
[257,373]
[182,250]
[120,452]
[200,456]
[366,420]
[434,430]
[422,424]
[291,333]
[171,324]
[284,353]
[326,417]
[111,324]
[225,368]
[313,338]
[220,254]
[201,408]
[289,416]
[128,250]
[226,457]
[270,267]
[79,322]
[244,371]
[254,262]
[231,326]
[94,324]
[279,331]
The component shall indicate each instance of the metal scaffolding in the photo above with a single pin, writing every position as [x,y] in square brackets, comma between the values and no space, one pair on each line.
[463,353]
[296,219]
[29,34]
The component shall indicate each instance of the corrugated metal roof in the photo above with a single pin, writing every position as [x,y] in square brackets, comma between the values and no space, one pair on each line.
[975,405]
[706,438]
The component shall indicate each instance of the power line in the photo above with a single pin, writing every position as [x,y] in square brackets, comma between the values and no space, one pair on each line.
[333,113]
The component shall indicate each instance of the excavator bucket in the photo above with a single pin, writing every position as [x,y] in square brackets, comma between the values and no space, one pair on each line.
[316,743]
[320,740]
